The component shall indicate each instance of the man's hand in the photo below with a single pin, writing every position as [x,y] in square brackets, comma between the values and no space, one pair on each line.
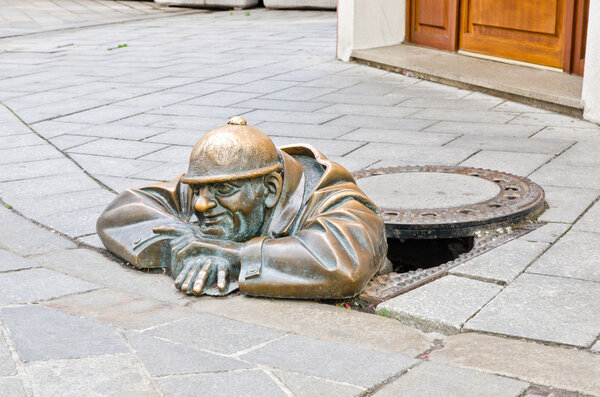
[199,263]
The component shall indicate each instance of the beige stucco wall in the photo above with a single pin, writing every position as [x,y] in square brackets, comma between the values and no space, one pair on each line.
[369,24]
[591,75]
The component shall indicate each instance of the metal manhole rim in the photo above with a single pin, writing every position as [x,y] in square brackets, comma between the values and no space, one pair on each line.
[519,198]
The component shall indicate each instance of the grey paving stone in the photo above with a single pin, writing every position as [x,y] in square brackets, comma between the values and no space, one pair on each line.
[7,365]
[484,129]
[118,184]
[9,261]
[386,123]
[596,347]
[106,375]
[167,358]
[368,110]
[117,148]
[178,154]
[111,273]
[273,104]
[368,88]
[38,284]
[329,360]
[222,98]
[463,104]
[514,163]
[39,240]
[399,136]
[67,141]
[566,204]
[255,116]
[361,99]
[553,174]
[12,387]
[552,119]
[441,306]
[264,86]
[34,169]
[582,154]
[557,367]
[328,147]
[352,164]
[119,308]
[590,222]
[103,114]
[308,386]
[178,137]
[214,333]
[299,93]
[413,154]
[435,380]
[92,240]
[551,309]
[17,191]
[20,140]
[183,109]
[28,153]
[203,124]
[65,202]
[51,128]
[476,116]
[222,384]
[303,131]
[73,223]
[509,106]
[504,144]
[119,130]
[503,264]
[40,333]
[547,233]
[575,255]
[569,134]
[111,166]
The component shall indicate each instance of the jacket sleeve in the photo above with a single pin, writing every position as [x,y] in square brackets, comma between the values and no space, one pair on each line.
[335,252]
[125,227]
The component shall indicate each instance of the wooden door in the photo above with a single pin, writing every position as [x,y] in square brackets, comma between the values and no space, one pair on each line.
[525,30]
[433,23]
[579,36]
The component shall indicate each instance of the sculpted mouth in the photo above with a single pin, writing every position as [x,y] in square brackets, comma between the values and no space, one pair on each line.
[209,220]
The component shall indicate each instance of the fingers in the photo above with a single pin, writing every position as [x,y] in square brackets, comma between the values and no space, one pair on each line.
[202,277]
[183,274]
[222,277]
[187,284]
[178,246]
[169,230]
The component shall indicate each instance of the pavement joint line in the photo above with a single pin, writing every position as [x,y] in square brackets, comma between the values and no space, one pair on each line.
[374,389]
[454,139]
[481,278]
[286,390]
[258,346]
[168,14]
[356,148]
[552,158]
[537,132]
[563,277]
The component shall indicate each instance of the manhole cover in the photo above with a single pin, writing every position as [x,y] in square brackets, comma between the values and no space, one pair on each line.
[444,201]
[470,210]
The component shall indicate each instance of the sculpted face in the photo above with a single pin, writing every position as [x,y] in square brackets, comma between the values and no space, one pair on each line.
[232,210]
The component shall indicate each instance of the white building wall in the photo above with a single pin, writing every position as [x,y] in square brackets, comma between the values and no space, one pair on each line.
[591,74]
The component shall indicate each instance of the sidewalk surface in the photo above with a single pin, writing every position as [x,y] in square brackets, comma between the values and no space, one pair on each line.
[86,111]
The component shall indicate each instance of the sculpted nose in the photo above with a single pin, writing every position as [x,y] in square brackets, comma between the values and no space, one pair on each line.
[203,202]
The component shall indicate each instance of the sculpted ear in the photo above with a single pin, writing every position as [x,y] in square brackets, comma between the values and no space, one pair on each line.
[274,184]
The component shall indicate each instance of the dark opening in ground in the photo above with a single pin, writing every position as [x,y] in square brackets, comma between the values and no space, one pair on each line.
[413,254]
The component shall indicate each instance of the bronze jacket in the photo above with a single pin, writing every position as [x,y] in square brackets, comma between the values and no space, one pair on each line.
[325,238]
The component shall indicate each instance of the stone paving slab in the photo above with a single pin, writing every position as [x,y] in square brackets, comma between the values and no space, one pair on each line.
[12,387]
[215,334]
[443,305]
[167,358]
[31,285]
[115,375]
[590,222]
[543,308]
[7,365]
[435,380]
[309,386]
[547,233]
[483,128]
[503,264]
[566,204]
[9,261]
[596,347]
[225,384]
[576,255]
[511,162]
[561,368]
[330,360]
[119,309]
[40,333]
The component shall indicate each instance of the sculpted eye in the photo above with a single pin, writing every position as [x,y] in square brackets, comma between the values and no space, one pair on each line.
[224,188]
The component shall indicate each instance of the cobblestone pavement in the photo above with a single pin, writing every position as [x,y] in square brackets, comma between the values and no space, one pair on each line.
[87,112]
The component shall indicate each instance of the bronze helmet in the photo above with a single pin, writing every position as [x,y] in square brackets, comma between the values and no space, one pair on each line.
[234,151]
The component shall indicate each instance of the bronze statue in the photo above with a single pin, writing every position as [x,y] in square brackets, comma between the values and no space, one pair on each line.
[274,222]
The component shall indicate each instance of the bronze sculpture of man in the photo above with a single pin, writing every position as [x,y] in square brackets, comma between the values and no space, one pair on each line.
[272,222]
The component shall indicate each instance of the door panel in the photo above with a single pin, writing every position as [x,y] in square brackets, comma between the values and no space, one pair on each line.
[580,35]
[524,30]
[433,23]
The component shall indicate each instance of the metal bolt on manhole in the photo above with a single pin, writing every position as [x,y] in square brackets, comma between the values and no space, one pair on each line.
[438,217]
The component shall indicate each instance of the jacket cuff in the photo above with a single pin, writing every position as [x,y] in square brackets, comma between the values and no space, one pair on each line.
[251,261]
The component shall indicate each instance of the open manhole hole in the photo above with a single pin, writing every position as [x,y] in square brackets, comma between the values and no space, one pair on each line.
[438,217]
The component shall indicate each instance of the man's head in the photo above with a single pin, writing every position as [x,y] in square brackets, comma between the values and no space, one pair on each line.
[234,172]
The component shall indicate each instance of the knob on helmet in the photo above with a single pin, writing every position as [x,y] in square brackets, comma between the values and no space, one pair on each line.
[234,151]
